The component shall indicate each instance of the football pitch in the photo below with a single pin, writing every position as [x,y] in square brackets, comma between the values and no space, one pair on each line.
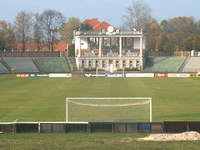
[87,142]
[43,99]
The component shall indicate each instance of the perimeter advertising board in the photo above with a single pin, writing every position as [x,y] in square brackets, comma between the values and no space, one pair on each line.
[140,75]
[53,75]
[161,75]
[178,75]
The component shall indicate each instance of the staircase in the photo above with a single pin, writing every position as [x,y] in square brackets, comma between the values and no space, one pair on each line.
[72,63]
[184,63]
[193,65]
[6,65]
[36,64]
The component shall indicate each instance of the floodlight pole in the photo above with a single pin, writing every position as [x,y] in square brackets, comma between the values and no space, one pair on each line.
[67,108]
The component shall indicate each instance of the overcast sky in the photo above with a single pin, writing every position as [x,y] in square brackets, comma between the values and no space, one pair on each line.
[108,10]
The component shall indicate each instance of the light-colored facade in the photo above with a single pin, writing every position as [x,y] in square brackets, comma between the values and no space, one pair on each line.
[109,51]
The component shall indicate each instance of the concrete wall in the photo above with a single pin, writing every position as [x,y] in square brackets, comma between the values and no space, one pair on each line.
[110,64]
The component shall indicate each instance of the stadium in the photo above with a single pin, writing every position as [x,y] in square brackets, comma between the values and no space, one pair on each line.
[157,77]
[112,85]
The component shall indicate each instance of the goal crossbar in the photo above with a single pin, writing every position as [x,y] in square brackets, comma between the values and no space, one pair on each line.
[70,99]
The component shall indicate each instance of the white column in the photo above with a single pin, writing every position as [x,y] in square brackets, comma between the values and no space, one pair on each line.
[79,50]
[120,46]
[100,46]
[75,52]
[78,61]
[141,50]
[141,46]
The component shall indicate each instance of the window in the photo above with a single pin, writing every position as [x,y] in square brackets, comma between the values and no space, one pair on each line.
[124,63]
[96,63]
[90,63]
[103,64]
[131,63]
[117,63]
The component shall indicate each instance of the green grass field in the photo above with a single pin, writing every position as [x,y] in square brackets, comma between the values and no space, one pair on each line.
[87,142]
[43,99]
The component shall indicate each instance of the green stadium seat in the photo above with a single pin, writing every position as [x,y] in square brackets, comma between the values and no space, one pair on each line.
[52,64]
[21,64]
[164,64]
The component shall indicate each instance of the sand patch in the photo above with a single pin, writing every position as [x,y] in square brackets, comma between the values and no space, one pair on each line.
[187,136]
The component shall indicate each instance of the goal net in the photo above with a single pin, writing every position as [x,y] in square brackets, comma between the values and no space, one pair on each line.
[124,109]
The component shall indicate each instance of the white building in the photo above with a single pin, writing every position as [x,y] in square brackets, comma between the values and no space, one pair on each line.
[109,50]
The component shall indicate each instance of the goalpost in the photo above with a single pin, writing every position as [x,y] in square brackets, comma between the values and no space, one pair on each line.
[85,109]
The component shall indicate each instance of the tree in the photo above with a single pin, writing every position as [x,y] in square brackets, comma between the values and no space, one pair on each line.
[163,43]
[165,27]
[85,27]
[7,36]
[68,29]
[152,33]
[196,42]
[51,23]
[181,24]
[38,36]
[71,50]
[23,28]
[138,16]
[179,30]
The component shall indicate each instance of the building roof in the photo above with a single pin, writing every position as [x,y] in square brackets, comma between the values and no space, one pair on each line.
[60,46]
[97,25]
[91,22]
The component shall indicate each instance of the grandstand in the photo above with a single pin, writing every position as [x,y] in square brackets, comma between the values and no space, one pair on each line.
[36,63]
[110,50]
[57,64]
[192,65]
[164,64]
[21,64]
[52,64]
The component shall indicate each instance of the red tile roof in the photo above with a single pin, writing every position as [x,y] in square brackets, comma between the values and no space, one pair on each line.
[101,26]
[60,46]
[97,25]
[91,22]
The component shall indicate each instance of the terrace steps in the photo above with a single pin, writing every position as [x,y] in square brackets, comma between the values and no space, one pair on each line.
[192,65]
[5,65]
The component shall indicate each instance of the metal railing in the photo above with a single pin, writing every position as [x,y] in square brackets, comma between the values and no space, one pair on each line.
[30,54]
[78,33]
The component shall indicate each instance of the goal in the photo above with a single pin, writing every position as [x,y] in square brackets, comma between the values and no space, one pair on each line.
[109,109]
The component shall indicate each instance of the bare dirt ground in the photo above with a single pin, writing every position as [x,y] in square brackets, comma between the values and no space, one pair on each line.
[187,136]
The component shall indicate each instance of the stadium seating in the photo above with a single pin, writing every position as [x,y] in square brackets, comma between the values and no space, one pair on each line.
[89,54]
[193,65]
[21,64]
[164,64]
[3,69]
[52,64]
